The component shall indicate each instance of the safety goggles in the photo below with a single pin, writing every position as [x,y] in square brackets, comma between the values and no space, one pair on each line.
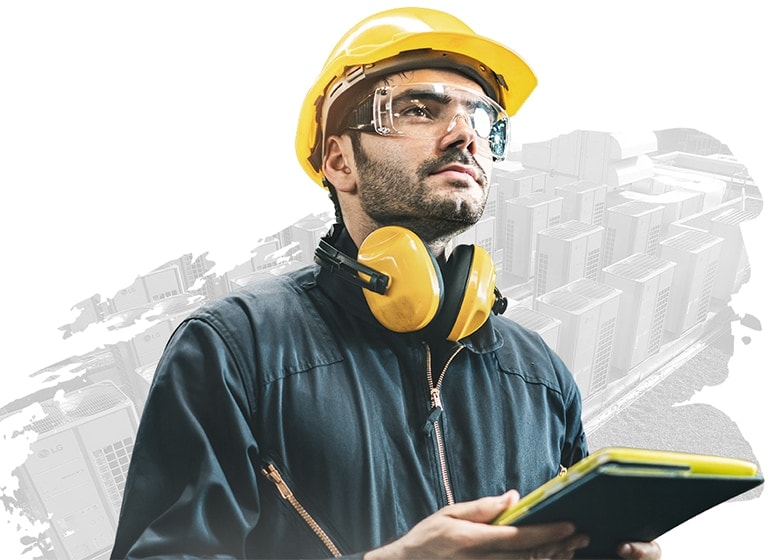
[429,110]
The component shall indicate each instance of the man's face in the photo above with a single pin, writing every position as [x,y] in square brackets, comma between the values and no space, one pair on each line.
[435,186]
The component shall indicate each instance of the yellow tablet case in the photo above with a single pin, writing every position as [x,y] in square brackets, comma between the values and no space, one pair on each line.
[627,494]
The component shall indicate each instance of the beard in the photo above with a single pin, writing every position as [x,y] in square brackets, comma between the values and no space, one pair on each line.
[390,196]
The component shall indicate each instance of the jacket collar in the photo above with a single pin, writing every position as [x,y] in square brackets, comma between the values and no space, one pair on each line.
[344,293]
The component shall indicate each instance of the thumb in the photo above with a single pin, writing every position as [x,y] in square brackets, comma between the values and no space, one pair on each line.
[484,510]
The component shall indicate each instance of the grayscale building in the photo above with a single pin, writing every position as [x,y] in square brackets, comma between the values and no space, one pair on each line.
[149,288]
[696,254]
[307,233]
[612,159]
[733,270]
[75,474]
[566,252]
[645,283]
[631,227]
[513,180]
[583,201]
[481,234]
[546,326]
[524,218]
[588,311]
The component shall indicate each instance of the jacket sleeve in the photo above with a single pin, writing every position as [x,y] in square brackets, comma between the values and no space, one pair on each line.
[191,488]
[574,446]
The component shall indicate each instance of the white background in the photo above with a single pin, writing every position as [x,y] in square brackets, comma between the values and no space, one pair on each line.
[134,132]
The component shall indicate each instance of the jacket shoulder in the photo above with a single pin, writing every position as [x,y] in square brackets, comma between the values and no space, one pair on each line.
[286,290]
[525,353]
[272,325]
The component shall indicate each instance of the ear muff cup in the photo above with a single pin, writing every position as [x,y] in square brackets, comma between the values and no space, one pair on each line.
[415,289]
[470,293]
[449,302]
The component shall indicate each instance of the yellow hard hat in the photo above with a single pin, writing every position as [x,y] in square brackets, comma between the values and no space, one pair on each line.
[404,39]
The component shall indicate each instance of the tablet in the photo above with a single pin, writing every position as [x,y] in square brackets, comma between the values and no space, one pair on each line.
[622,494]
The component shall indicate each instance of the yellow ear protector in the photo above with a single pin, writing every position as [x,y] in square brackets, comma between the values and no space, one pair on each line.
[407,291]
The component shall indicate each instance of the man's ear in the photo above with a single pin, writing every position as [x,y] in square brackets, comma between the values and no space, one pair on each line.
[338,163]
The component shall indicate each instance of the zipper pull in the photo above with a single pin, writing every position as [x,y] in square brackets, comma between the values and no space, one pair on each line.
[435,395]
[437,410]
[273,476]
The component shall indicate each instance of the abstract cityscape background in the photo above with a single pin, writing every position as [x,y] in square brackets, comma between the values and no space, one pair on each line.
[146,164]
[622,251]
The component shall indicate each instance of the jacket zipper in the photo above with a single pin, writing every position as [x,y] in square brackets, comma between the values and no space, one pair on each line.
[273,475]
[434,417]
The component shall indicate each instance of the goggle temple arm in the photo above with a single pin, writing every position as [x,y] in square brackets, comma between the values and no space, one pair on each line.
[361,117]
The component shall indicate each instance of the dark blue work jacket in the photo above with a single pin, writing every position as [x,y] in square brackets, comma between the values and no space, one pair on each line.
[283,421]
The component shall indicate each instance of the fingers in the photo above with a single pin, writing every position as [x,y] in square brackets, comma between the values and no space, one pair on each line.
[552,540]
[483,510]
[565,548]
[640,551]
[463,531]
[555,540]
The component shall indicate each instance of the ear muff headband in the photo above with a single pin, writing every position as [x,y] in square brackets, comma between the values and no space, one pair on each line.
[348,268]
[414,293]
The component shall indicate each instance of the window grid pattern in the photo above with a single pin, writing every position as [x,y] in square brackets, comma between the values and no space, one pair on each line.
[610,246]
[509,243]
[653,241]
[165,295]
[597,213]
[593,264]
[542,264]
[112,463]
[603,355]
[706,291]
[487,244]
[657,327]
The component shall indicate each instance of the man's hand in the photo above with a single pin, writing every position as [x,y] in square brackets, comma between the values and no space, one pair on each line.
[640,551]
[463,531]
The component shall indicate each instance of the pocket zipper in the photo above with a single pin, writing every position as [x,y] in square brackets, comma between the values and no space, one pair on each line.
[273,475]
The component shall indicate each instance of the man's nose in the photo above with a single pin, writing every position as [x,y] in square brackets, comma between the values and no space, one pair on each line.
[461,131]
[461,118]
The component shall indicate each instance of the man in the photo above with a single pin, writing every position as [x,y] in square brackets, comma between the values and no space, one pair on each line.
[307,417]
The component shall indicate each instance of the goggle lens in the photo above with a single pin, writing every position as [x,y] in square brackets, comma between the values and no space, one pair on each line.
[429,110]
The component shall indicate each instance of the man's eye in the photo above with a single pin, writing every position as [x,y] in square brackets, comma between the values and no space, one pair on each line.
[415,111]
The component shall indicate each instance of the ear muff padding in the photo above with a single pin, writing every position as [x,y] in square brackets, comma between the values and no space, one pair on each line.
[415,289]
[455,273]
[470,286]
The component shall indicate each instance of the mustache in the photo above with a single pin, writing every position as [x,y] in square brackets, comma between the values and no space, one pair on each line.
[452,155]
